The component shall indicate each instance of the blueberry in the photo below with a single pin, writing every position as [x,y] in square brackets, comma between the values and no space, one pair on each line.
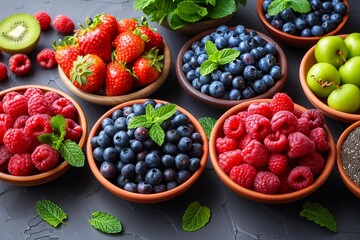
[181,161]
[144,188]
[197,150]
[197,72]
[159,188]
[244,47]
[317,30]
[234,94]
[315,4]
[121,139]
[312,19]
[275,72]
[169,174]
[221,43]
[268,80]
[108,169]
[193,62]
[127,155]
[120,124]
[184,131]
[205,79]
[136,145]
[248,58]
[337,18]
[328,26]
[247,92]
[128,170]
[140,156]
[150,101]
[180,119]
[234,40]
[104,140]
[215,75]
[202,58]
[207,38]
[196,137]
[139,108]
[259,40]
[238,82]
[289,28]
[167,160]
[300,23]
[195,45]
[93,141]
[260,86]
[239,29]
[270,48]
[121,181]
[222,28]
[130,133]
[190,75]
[340,8]
[194,164]
[325,17]
[196,83]
[205,89]
[171,185]
[149,144]
[141,168]
[250,72]
[153,159]
[184,144]
[169,148]
[187,56]
[119,166]
[141,134]
[287,14]
[110,154]
[277,23]
[226,78]
[116,114]
[327,6]
[267,62]
[186,67]
[167,124]
[106,121]
[98,154]
[154,176]
[200,50]
[236,67]
[182,176]
[306,32]
[127,110]
[217,89]
[110,130]
[258,52]
[130,187]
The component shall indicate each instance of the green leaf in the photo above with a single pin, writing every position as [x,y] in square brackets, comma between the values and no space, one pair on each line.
[139,121]
[141,4]
[208,67]
[157,134]
[175,22]
[195,217]
[105,222]
[319,214]
[50,212]
[149,112]
[207,124]
[227,55]
[188,7]
[190,18]
[301,6]
[222,9]
[210,48]
[72,153]
[211,2]
[58,124]
[164,112]
[48,138]
[277,6]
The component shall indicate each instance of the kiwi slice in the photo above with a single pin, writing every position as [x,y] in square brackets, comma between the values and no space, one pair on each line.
[19,33]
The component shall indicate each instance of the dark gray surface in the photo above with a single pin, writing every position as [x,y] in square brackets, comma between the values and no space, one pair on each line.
[233,217]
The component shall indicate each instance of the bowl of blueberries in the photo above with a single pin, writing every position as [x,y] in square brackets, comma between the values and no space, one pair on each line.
[303,25]
[226,66]
[147,150]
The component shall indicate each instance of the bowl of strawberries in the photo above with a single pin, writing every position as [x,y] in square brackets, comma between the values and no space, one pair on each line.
[42,133]
[110,61]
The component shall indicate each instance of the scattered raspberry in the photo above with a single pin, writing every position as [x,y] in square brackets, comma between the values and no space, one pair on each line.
[281,101]
[46,58]
[51,97]
[5,156]
[15,105]
[299,145]
[37,104]
[303,125]
[315,117]
[284,121]
[44,157]
[318,135]
[21,165]
[3,72]
[234,127]
[32,91]
[37,125]
[73,130]
[255,154]
[314,161]
[266,182]
[64,107]
[225,144]
[278,163]
[229,159]
[258,126]
[44,19]
[244,175]
[300,177]
[261,108]
[20,121]
[63,24]
[17,141]
[275,142]
[244,141]
[20,64]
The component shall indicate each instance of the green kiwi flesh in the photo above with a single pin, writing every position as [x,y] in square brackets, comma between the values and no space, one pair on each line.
[19,33]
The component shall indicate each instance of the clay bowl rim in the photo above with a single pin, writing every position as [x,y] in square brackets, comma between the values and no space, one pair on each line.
[221,103]
[114,100]
[138,197]
[41,178]
[340,167]
[261,197]
[309,58]
[298,41]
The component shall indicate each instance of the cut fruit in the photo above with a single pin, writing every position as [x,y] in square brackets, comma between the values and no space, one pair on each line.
[19,33]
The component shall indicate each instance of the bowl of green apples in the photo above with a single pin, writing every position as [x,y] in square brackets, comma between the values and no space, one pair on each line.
[330,76]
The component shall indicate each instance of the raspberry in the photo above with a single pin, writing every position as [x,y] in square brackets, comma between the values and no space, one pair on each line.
[51,97]
[243,115]
[299,145]
[43,18]
[277,163]
[17,141]
[9,95]
[3,72]
[315,117]
[284,121]
[244,175]
[37,104]
[266,182]
[21,165]
[20,121]
[258,126]
[37,125]
[261,108]
[234,127]
[229,159]
[300,177]
[255,154]
[303,125]
[64,107]
[15,105]
[318,135]
[281,101]
[46,58]
[3,130]
[275,142]
[244,141]
[314,161]
[73,130]
[225,144]
[284,186]
[7,120]
[32,91]
[45,157]
[1,108]
[20,64]
[63,24]
[5,156]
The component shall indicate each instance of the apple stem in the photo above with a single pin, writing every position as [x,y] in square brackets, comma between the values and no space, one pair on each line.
[339,52]
[325,84]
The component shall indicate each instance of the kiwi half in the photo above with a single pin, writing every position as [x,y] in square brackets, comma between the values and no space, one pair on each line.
[19,33]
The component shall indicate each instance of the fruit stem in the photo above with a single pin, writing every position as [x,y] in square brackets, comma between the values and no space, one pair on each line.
[339,52]
[325,84]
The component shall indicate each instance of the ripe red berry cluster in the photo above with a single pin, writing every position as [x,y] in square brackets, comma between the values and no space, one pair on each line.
[23,117]
[273,148]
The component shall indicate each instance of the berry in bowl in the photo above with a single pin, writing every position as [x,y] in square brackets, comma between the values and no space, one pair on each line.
[37,123]
[302,25]
[147,150]
[229,65]
[272,150]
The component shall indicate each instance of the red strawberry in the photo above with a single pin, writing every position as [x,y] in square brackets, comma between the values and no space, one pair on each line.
[109,25]
[148,67]
[154,39]
[131,46]
[66,52]
[126,24]
[118,80]
[88,73]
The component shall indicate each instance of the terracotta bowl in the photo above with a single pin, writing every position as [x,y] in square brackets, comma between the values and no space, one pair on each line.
[151,197]
[349,183]
[223,103]
[261,197]
[114,100]
[292,40]
[48,176]
[306,63]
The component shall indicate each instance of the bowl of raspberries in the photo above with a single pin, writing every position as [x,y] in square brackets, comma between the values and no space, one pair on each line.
[227,65]
[37,124]
[272,150]
[147,150]
[302,25]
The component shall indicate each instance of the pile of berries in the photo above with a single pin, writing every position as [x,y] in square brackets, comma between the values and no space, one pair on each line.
[134,162]
[273,148]
[23,117]
[252,73]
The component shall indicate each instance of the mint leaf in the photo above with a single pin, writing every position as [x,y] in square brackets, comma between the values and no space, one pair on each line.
[157,134]
[211,2]
[210,48]
[72,153]
[190,18]
[139,121]
[58,124]
[195,217]
[49,138]
[222,9]
[301,6]
[50,212]
[208,67]
[276,6]
[149,112]
[207,124]
[175,22]
[141,4]
[227,55]
[105,222]
[189,7]
[164,112]
[319,214]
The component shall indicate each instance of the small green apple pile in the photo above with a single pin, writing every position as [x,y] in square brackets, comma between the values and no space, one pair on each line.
[336,75]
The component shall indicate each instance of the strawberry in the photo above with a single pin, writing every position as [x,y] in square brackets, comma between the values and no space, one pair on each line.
[66,52]
[154,39]
[126,24]
[109,25]
[131,46]
[119,80]
[147,68]
[88,73]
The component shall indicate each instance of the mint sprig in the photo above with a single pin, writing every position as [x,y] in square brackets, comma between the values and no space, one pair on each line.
[68,149]
[153,119]
[319,214]
[277,6]
[50,212]
[207,124]
[105,222]
[195,217]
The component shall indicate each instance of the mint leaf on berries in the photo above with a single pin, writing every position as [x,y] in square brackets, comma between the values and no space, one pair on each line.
[277,6]
[319,214]
[50,212]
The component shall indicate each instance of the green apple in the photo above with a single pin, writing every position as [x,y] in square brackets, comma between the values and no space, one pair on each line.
[352,42]
[331,49]
[350,71]
[322,78]
[346,98]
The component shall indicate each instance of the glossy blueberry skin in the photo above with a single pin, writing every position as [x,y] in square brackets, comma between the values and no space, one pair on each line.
[181,161]
[217,89]
[169,174]
[98,154]
[226,79]
[275,72]
[187,56]
[141,168]
[180,119]
[182,176]
[108,169]
[141,134]
[287,14]
[136,145]
[248,59]
[110,154]
[131,187]
[194,164]
[238,83]
[153,160]
[250,72]
[184,144]
[106,121]
[121,139]
[221,43]
[104,140]
[289,28]
[167,160]
[128,170]
[127,155]
[154,176]
[169,148]
[116,114]
[260,86]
